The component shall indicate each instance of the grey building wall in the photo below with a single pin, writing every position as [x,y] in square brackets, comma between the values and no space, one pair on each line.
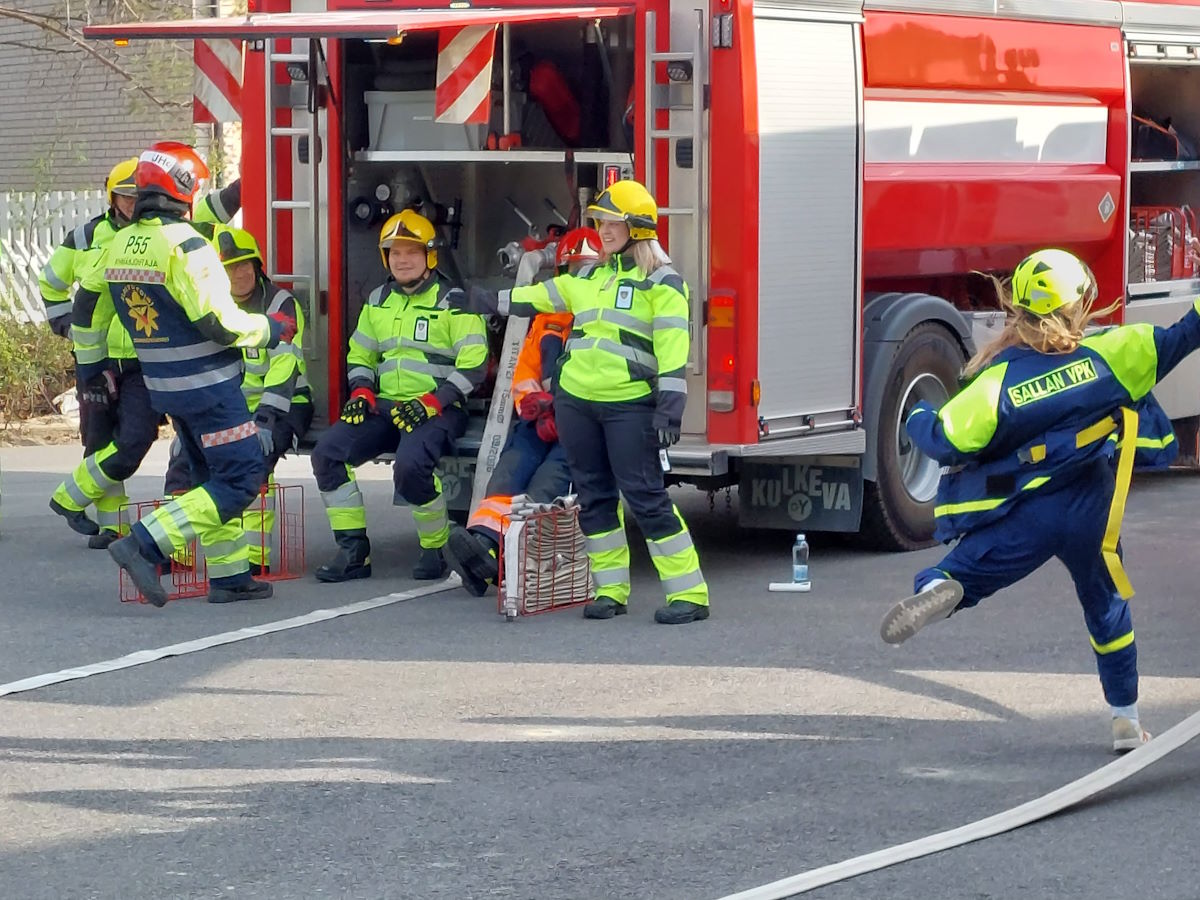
[65,118]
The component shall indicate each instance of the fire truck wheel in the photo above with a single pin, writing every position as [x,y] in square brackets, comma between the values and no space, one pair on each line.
[898,507]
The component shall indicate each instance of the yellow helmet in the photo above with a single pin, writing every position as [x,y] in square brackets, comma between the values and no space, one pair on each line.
[120,180]
[408,225]
[1047,280]
[235,245]
[631,203]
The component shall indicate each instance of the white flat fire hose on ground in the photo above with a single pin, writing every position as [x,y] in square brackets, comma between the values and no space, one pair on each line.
[1009,820]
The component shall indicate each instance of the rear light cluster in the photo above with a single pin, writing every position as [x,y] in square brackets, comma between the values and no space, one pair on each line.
[722,353]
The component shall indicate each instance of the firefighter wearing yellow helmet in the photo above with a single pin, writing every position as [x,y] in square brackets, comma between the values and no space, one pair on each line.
[274,383]
[115,416]
[620,396]
[1039,447]
[413,361]
[62,270]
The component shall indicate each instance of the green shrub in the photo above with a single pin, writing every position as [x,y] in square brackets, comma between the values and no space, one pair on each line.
[35,367]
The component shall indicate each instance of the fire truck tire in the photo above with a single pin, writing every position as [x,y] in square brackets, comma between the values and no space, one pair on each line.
[898,505]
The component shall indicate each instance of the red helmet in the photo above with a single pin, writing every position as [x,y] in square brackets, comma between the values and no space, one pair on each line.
[170,168]
[580,245]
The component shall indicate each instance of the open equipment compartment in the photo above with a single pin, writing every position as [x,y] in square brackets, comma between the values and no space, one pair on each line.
[1164,193]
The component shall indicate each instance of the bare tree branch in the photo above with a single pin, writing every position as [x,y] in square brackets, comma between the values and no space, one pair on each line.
[49,25]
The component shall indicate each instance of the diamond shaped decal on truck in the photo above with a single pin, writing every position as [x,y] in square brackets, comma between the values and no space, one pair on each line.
[1107,208]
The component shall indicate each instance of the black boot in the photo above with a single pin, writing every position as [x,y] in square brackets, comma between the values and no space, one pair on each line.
[680,613]
[604,608]
[352,560]
[102,540]
[474,557]
[77,520]
[128,555]
[431,565]
[243,590]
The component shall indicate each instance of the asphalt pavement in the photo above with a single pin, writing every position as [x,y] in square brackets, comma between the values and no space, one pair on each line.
[428,749]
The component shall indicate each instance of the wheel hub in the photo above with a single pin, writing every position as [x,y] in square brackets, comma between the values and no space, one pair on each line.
[918,473]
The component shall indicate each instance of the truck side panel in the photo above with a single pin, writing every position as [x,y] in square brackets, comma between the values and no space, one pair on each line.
[987,138]
[809,152]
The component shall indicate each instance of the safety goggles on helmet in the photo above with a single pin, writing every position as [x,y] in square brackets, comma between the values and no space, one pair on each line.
[579,245]
[628,202]
[236,245]
[1048,280]
[171,168]
[408,225]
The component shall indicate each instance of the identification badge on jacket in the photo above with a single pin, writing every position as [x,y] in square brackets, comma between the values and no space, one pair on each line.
[625,296]
[421,330]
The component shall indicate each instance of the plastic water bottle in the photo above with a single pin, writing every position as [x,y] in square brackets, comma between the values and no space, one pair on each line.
[800,563]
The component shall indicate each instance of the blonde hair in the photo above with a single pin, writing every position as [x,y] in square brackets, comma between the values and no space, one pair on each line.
[649,256]
[1053,334]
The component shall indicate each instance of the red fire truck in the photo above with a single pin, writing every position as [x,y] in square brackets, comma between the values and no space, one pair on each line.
[836,177]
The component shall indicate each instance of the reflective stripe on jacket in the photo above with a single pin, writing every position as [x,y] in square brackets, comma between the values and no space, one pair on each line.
[630,337]
[168,287]
[971,496]
[1029,418]
[276,378]
[407,345]
[80,250]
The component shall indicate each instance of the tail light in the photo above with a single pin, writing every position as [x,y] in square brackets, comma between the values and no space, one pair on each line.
[722,352]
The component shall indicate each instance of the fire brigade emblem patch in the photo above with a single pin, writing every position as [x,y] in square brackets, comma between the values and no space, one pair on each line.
[141,309]
[625,296]
[421,330]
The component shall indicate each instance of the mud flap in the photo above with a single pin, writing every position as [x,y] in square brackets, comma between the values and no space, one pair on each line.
[821,493]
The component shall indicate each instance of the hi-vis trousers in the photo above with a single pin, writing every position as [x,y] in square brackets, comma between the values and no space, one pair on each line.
[612,451]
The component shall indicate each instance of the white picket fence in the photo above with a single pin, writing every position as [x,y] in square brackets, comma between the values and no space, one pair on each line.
[31,226]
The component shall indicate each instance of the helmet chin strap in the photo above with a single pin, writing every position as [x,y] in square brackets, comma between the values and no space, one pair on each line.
[409,285]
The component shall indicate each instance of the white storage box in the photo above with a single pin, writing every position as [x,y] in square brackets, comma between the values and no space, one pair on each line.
[403,120]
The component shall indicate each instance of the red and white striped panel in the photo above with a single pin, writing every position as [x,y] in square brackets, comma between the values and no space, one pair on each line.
[464,74]
[217,93]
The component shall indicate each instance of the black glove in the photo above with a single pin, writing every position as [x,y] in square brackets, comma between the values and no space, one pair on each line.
[100,390]
[411,414]
[668,435]
[668,417]
[61,326]
[474,300]
[359,406]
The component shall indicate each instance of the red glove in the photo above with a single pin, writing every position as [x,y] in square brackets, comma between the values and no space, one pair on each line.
[287,326]
[534,404]
[546,428]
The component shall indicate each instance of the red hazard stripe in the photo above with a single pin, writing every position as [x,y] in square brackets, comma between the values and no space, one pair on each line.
[200,113]
[482,113]
[473,63]
[210,64]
